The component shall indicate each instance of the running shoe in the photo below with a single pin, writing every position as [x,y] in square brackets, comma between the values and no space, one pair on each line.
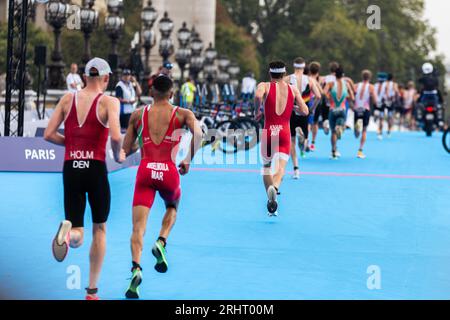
[136,280]
[272,204]
[275,214]
[358,128]
[92,294]
[159,251]
[380,137]
[312,147]
[334,156]
[361,155]
[302,154]
[307,149]
[326,127]
[60,245]
[296,174]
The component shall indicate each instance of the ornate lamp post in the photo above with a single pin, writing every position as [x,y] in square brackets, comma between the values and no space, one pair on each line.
[197,61]
[148,18]
[210,69]
[114,23]
[234,70]
[210,54]
[88,21]
[56,15]
[223,76]
[183,54]
[166,43]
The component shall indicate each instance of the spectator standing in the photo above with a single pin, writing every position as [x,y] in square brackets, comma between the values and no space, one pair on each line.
[73,79]
[127,91]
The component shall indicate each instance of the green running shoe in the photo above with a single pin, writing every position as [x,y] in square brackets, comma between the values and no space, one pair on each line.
[159,252]
[133,289]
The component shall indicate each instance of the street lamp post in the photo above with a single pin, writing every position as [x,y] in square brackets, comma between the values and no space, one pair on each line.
[166,43]
[183,54]
[223,76]
[148,18]
[56,15]
[197,61]
[113,27]
[114,23]
[234,70]
[88,22]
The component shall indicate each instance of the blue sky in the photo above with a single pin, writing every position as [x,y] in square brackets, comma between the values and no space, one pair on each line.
[437,13]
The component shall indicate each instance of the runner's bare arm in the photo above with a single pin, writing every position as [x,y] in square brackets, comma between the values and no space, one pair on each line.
[300,106]
[51,134]
[196,141]
[259,98]
[351,94]
[129,143]
[317,93]
[113,107]
[315,88]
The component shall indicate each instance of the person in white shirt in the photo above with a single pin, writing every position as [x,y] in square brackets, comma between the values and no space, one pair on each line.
[73,79]
[128,92]
[248,87]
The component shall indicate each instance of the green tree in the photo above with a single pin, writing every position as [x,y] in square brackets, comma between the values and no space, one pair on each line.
[236,43]
[327,30]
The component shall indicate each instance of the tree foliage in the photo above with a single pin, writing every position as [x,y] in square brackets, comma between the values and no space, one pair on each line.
[329,30]
[235,42]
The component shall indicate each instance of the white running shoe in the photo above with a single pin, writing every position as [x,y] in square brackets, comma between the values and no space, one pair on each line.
[380,137]
[337,153]
[272,204]
[60,245]
[296,174]
[326,127]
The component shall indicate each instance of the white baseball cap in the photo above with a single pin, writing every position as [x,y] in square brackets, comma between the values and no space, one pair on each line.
[100,64]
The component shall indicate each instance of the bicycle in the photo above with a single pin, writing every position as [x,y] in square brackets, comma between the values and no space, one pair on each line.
[446,140]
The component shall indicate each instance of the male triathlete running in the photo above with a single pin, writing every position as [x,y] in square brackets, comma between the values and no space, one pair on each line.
[88,117]
[338,92]
[299,124]
[156,127]
[322,109]
[410,97]
[365,93]
[390,97]
[378,112]
[278,99]
[330,78]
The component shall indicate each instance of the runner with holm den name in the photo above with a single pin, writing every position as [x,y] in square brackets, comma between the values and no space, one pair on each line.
[157,128]
[88,117]
[278,98]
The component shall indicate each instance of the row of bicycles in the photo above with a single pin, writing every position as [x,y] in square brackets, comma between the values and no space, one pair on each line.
[228,127]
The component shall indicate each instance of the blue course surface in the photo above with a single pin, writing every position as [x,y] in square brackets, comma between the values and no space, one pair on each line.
[332,226]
